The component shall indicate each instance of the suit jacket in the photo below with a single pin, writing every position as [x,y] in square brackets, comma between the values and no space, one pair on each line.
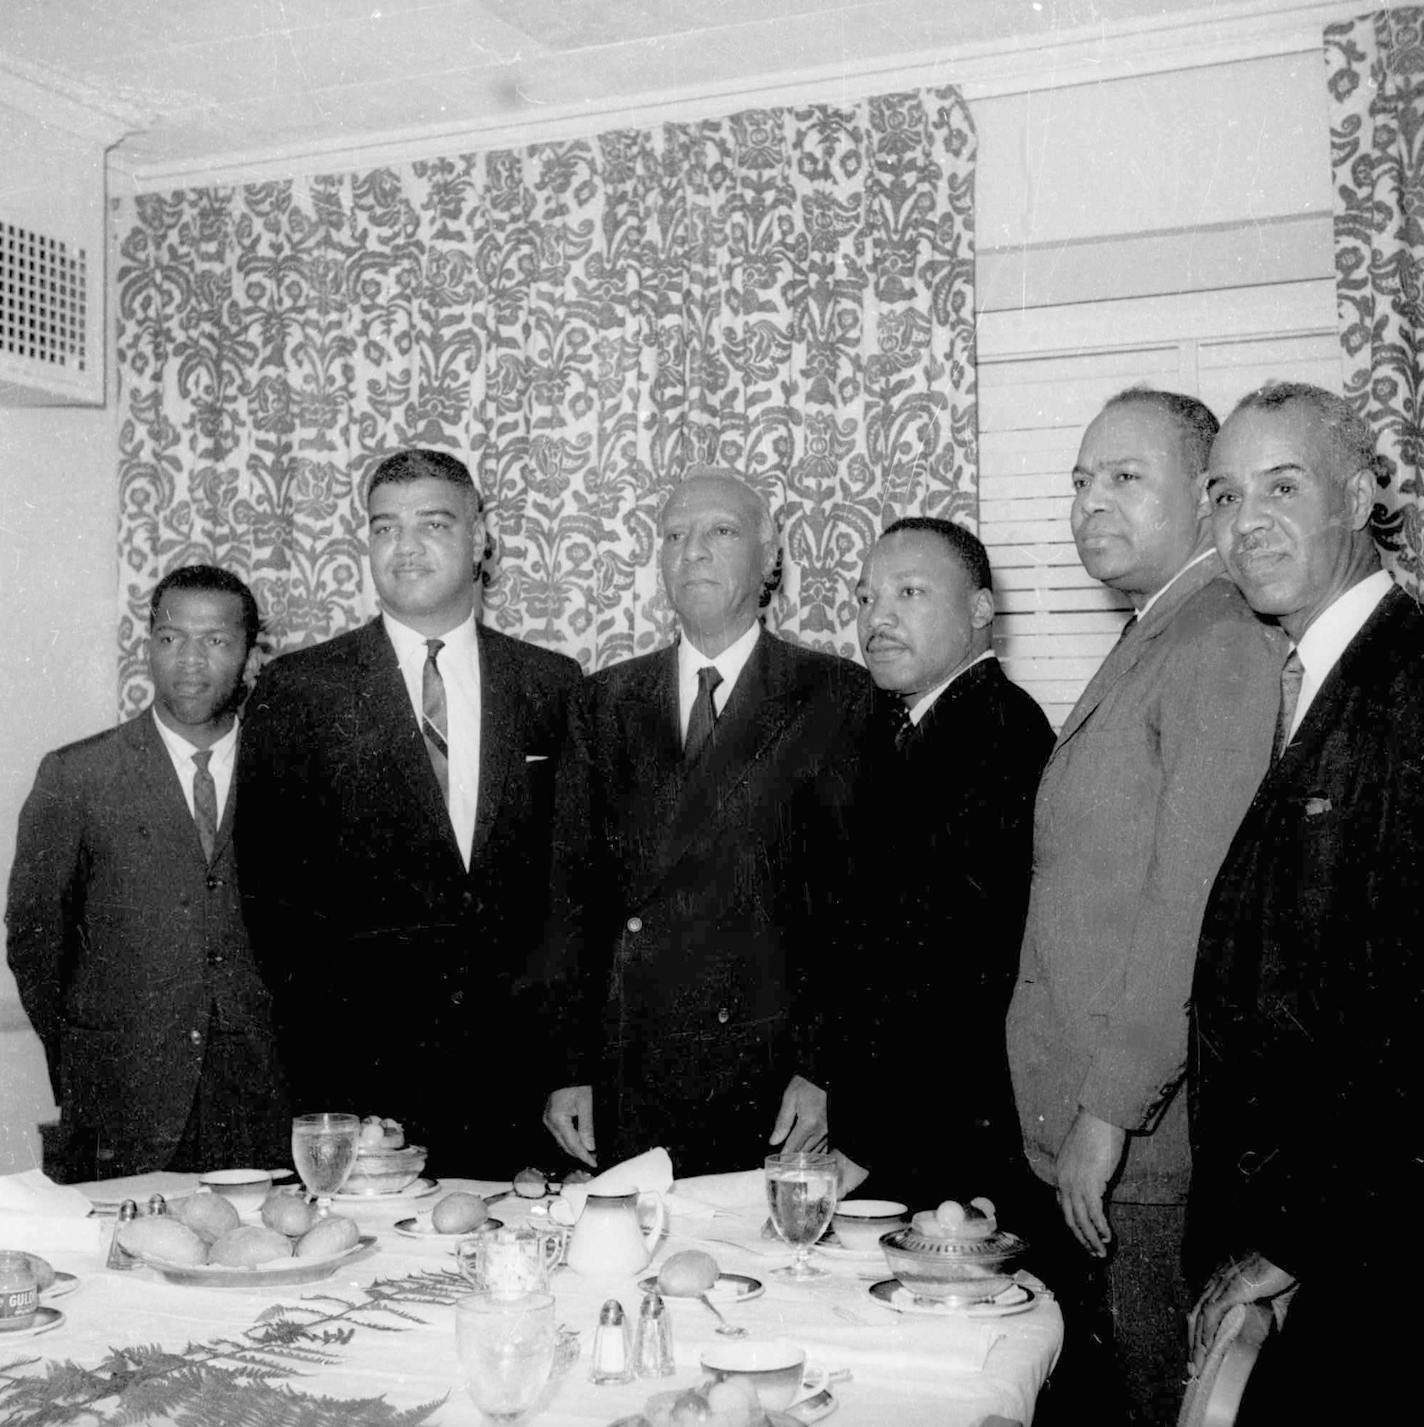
[944,846]
[1307,1112]
[700,899]
[394,967]
[124,940]
[1151,774]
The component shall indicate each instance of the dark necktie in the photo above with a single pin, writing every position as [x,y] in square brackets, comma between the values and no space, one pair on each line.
[205,802]
[433,718]
[704,713]
[1292,672]
[902,726]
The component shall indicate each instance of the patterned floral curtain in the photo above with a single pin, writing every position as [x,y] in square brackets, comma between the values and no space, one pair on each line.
[788,291]
[1375,69]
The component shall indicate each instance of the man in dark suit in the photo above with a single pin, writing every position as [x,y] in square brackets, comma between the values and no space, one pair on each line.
[704,835]
[125,923]
[945,828]
[397,786]
[1309,994]
[1151,773]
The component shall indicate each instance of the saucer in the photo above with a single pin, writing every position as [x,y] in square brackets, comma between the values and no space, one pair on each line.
[63,1283]
[45,1319]
[729,1288]
[891,1293]
[416,1190]
[419,1227]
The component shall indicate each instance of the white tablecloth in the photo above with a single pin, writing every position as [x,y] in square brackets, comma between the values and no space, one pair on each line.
[910,1371]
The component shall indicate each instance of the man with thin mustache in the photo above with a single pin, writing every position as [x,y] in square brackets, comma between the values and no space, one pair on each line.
[1308,1152]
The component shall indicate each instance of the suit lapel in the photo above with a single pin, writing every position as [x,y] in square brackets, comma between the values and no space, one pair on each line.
[400,746]
[1125,655]
[158,794]
[499,691]
[760,707]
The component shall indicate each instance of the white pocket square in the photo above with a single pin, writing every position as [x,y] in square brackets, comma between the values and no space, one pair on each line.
[536,757]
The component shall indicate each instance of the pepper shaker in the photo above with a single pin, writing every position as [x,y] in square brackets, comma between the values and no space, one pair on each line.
[157,1204]
[652,1344]
[612,1346]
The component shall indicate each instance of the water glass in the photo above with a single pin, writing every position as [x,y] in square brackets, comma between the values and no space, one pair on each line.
[324,1153]
[801,1192]
[506,1344]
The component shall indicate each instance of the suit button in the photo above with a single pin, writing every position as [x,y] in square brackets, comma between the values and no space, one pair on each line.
[456,997]
[213,884]
[215,960]
[635,924]
[196,1037]
[723,1016]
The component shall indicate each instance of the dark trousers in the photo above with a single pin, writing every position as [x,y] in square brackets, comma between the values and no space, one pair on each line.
[1124,1318]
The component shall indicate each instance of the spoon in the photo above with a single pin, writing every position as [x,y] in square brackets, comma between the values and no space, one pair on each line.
[726,1329]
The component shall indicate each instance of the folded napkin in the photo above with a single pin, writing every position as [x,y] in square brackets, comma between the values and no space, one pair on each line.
[704,1194]
[650,1172]
[43,1217]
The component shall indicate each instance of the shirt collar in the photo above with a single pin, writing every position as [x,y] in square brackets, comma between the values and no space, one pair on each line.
[729,663]
[926,701]
[409,643]
[179,747]
[1190,565]
[1338,623]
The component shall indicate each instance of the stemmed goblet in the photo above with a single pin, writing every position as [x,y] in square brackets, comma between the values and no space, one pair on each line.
[324,1152]
[801,1190]
[505,1343]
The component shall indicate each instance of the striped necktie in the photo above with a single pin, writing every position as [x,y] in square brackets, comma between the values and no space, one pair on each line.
[1292,672]
[205,802]
[704,713]
[434,721]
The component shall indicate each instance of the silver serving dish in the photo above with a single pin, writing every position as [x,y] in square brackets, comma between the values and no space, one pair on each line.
[957,1269]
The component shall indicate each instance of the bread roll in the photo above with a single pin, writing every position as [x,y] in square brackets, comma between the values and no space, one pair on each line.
[208,1215]
[688,1272]
[250,1246]
[157,1236]
[328,1236]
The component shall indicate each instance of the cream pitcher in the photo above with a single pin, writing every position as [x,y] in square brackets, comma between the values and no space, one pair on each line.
[609,1240]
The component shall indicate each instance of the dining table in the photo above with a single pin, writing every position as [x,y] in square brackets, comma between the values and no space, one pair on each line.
[375,1342]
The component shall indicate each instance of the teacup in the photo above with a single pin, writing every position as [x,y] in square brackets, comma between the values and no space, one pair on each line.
[775,1369]
[246,1188]
[859,1223]
[510,1260]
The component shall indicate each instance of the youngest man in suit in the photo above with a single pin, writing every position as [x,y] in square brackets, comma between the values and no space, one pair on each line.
[944,837]
[125,925]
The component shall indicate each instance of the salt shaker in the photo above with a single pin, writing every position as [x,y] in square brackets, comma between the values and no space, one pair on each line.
[652,1343]
[157,1204]
[119,1257]
[612,1346]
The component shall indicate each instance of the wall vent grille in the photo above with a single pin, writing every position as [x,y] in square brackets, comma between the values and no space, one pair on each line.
[43,299]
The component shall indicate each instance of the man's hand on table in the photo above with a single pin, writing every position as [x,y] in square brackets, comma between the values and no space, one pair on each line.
[1087,1160]
[568,1116]
[1249,1280]
[801,1122]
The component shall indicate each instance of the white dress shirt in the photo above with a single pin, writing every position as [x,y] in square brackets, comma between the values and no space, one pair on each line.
[1330,632]
[1157,594]
[926,701]
[220,765]
[729,664]
[459,665]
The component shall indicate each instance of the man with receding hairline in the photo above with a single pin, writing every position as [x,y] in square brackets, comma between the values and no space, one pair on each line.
[1146,783]
[702,841]
[1309,995]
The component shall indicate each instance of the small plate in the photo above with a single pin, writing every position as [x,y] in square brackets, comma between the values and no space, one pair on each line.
[417,1189]
[419,1227]
[45,1319]
[282,1274]
[63,1283]
[893,1294]
[729,1288]
[834,1249]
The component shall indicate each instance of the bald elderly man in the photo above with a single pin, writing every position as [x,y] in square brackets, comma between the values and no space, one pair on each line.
[703,847]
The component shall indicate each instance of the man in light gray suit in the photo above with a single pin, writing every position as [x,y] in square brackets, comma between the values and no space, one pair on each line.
[1143,790]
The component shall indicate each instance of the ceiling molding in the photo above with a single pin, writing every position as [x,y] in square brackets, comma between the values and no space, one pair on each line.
[1090,55]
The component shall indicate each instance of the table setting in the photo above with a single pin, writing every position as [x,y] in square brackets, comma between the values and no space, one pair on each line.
[633,1299]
